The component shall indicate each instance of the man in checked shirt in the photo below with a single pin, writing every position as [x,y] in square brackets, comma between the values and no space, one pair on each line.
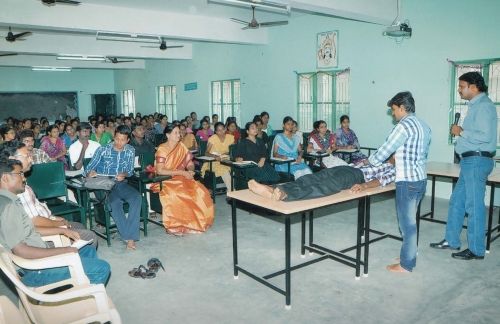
[409,141]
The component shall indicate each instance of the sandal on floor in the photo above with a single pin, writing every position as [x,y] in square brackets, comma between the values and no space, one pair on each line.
[142,272]
[154,264]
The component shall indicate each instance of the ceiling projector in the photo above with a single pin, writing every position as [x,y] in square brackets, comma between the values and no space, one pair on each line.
[398,30]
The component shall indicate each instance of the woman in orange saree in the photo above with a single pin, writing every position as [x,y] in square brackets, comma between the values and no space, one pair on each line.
[187,205]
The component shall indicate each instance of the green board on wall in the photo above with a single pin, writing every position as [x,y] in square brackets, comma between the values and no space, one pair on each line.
[52,105]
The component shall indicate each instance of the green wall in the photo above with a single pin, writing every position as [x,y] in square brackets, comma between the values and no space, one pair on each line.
[85,82]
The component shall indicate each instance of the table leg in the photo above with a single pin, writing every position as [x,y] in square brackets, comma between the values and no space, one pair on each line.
[367,235]
[311,228]
[303,235]
[287,263]
[359,234]
[490,217]
[418,219]
[433,196]
[235,239]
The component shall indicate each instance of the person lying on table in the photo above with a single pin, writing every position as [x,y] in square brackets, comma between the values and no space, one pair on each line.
[328,182]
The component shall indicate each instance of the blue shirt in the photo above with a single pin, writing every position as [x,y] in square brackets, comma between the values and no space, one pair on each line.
[410,140]
[384,173]
[108,161]
[480,126]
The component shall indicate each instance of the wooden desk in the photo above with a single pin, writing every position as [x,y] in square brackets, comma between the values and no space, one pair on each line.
[452,171]
[288,209]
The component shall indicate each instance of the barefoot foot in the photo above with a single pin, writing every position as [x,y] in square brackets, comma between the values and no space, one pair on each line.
[396,268]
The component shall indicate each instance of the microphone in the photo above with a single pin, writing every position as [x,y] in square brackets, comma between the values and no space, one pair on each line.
[457,118]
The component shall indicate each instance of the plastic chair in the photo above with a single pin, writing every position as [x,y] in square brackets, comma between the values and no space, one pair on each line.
[82,303]
[48,181]
[9,313]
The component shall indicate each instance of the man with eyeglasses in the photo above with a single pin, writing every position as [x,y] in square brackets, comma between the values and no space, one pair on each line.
[18,234]
[27,137]
[37,211]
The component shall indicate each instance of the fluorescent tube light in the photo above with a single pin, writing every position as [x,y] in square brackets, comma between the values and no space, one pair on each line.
[78,57]
[124,37]
[51,68]
[268,5]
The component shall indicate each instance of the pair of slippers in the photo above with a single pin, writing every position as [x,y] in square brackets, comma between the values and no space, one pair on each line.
[154,265]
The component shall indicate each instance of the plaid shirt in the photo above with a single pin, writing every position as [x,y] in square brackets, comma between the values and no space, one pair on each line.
[108,161]
[39,156]
[410,139]
[384,173]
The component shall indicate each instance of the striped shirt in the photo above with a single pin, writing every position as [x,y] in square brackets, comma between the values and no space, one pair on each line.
[108,161]
[39,156]
[32,206]
[410,139]
[384,173]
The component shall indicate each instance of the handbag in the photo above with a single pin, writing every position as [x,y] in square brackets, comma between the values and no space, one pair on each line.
[99,183]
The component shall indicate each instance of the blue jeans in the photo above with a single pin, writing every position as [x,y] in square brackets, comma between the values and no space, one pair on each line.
[408,196]
[468,197]
[96,270]
[128,227]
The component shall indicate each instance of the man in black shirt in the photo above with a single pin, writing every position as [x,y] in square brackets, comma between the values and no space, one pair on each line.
[139,142]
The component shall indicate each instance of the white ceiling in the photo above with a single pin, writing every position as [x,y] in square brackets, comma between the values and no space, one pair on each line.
[67,29]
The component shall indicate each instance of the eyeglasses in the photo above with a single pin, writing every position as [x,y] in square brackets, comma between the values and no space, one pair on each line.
[18,173]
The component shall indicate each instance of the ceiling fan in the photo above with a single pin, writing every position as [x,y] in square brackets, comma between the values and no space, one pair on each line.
[8,54]
[253,24]
[163,45]
[53,2]
[115,60]
[11,37]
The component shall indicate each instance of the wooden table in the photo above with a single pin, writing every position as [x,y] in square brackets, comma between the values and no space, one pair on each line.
[452,171]
[287,210]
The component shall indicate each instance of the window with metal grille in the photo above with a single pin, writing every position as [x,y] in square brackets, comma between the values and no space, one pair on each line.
[128,102]
[322,96]
[166,101]
[226,99]
[490,70]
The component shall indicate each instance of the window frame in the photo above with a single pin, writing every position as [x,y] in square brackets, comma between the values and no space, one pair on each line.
[335,114]
[128,107]
[233,104]
[163,108]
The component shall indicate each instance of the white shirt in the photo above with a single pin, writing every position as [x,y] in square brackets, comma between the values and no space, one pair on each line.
[76,148]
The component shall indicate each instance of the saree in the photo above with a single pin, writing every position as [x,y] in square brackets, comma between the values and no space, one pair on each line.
[186,204]
[322,144]
[53,150]
[289,147]
[345,138]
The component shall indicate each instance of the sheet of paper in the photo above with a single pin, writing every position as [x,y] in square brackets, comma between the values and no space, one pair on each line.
[81,243]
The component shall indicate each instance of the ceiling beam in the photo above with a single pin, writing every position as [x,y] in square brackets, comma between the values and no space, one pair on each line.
[89,18]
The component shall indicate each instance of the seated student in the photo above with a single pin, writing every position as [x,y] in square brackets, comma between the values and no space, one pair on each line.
[18,235]
[322,140]
[187,205]
[139,142]
[329,181]
[204,132]
[217,147]
[233,129]
[260,134]
[215,120]
[38,212]
[287,146]
[54,146]
[188,139]
[116,159]
[84,148]
[8,133]
[37,155]
[100,135]
[251,148]
[347,139]
[69,136]
[266,127]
